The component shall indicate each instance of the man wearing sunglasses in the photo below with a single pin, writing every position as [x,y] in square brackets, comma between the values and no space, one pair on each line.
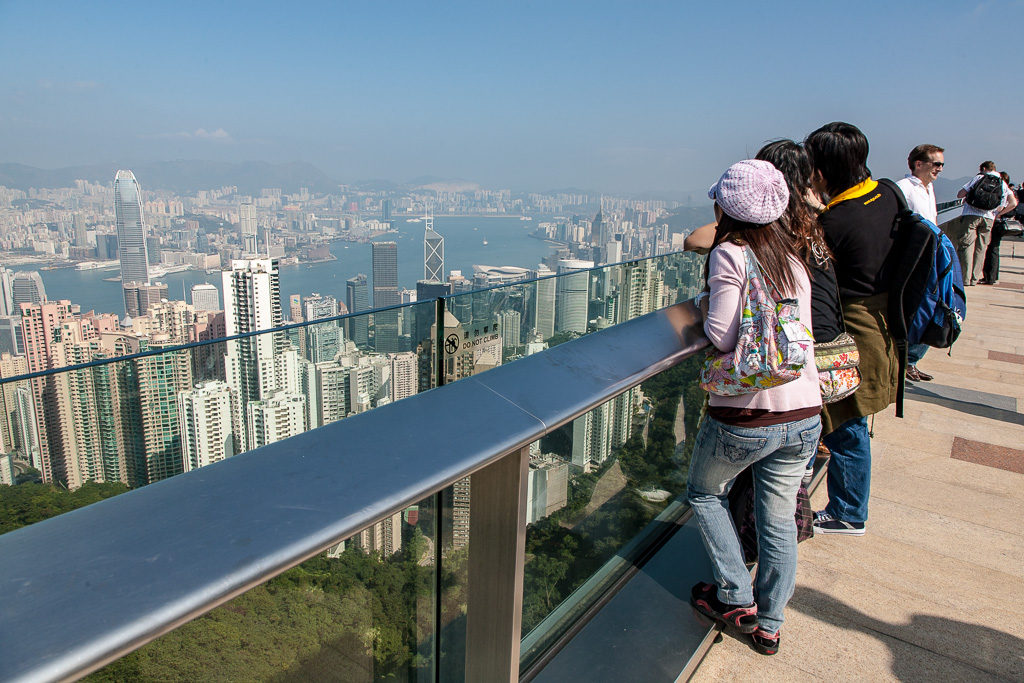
[925,162]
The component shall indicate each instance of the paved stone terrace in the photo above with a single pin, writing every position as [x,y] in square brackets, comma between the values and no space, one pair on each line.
[935,589]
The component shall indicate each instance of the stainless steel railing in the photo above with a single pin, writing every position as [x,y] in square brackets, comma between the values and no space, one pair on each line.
[83,589]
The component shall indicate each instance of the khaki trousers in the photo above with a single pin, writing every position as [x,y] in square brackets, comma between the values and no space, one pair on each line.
[970,235]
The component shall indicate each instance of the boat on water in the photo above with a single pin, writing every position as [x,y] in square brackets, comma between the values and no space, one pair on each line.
[525,218]
[485,242]
[413,220]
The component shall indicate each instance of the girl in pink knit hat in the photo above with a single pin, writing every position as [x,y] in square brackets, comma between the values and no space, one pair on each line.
[773,431]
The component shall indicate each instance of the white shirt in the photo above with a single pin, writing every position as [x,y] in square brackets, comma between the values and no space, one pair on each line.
[991,214]
[920,197]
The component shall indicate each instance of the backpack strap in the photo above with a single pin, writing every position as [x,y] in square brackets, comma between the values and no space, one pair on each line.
[897,315]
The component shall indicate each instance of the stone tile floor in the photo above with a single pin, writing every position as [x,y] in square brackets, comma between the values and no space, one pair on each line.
[935,590]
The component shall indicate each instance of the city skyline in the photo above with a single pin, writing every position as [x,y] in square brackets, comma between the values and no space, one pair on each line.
[606,98]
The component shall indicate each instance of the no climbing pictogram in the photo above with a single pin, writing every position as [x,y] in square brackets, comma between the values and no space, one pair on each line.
[451,343]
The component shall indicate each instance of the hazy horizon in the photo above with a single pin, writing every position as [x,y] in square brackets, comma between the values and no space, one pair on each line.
[599,96]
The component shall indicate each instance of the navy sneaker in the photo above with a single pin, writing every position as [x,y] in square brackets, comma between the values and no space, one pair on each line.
[764,642]
[704,598]
[825,523]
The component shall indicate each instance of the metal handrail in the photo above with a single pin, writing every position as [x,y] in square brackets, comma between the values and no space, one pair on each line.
[942,207]
[123,571]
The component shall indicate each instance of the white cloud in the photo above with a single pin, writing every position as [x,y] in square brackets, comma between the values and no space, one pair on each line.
[217,135]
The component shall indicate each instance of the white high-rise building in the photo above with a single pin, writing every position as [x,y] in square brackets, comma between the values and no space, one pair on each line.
[257,367]
[511,328]
[208,426]
[205,297]
[572,295]
[7,293]
[404,375]
[277,418]
[332,391]
[544,302]
[247,220]
[597,433]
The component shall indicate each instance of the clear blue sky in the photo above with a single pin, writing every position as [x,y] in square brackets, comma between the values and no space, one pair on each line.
[606,96]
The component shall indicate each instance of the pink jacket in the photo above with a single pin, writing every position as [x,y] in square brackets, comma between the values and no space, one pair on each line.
[727,274]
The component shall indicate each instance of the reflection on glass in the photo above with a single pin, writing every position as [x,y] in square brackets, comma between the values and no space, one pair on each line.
[522,316]
[596,489]
[361,611]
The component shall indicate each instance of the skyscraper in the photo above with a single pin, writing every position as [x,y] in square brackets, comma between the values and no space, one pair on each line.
[139,297]
[275,418]
[385,293]
[257,367]
[319,306]
[208,425]
[544,303]
[246,221]
[404,375]
[81,235]
[51,397]
[131,229]
[205,297]
[433,253]
[27,288]
[385,274]
[357,297]
[572,295]
[6,293]
[295,308]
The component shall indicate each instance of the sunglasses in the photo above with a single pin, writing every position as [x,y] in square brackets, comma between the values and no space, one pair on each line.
[937,164]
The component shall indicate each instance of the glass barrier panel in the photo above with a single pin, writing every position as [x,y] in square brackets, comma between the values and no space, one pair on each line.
[361,611]
[600,491]
[454,580]
[486,328]
[76,436]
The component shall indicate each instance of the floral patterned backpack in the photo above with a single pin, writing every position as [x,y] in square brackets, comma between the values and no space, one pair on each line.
[772,345]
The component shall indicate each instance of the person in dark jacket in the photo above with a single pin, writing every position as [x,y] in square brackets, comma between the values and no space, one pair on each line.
[859,222]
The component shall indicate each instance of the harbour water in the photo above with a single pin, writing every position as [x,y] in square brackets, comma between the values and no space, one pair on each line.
[508,244]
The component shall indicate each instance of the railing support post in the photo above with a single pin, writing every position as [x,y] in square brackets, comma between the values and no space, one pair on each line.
[497,546]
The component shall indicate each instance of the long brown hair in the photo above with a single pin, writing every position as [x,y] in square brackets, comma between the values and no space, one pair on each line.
[772,246]
[794,163]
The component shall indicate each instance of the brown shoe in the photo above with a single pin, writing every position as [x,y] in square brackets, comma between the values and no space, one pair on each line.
[922,375]
[913,374]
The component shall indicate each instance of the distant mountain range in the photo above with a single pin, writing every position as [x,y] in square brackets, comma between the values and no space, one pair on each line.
[182,176]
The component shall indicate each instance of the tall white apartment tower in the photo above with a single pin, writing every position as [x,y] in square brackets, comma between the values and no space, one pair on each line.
[208,424]
[404,375]
[247,220]
[572,295]
[260,366]
[544,302]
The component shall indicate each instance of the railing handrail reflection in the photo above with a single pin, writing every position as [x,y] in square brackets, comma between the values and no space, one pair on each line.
[942,207]
[121,572]
[307,323]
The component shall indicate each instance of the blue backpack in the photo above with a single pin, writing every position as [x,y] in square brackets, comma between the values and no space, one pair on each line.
[927,304]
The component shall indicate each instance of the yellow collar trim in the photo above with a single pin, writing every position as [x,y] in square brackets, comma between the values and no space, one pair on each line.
[858,190]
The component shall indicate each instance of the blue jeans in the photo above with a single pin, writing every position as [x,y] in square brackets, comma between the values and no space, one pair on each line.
[777,455]
[849,471]
[915,352]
